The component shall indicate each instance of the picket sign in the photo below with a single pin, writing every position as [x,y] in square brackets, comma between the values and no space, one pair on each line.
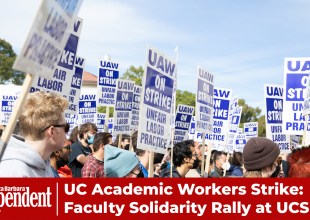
[182,122]
[274,121]
[15,113]
[158,79]
[296,73]
[123,107]
[106,84]
[222,101]
[41,39]
[8,97]
[24,61]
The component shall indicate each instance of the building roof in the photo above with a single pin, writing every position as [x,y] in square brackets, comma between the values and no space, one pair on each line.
[89,78]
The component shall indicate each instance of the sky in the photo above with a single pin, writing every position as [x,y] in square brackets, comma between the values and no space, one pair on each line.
[242,43]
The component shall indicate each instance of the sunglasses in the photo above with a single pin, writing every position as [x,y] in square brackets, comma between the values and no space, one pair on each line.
[66,126]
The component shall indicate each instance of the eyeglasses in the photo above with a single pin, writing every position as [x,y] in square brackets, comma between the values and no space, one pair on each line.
[66,126]
[136,173]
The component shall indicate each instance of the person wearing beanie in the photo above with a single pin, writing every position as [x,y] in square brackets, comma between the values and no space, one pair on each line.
[120,163]
[260,157]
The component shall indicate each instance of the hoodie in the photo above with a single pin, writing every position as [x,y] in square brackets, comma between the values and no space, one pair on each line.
[20,160]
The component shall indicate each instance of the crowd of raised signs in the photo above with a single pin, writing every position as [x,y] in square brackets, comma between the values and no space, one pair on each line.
[39,147]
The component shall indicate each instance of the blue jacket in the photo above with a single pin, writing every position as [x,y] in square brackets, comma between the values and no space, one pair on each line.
[235,170]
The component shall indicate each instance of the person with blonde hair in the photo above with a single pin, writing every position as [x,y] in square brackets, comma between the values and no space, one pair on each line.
[43,127]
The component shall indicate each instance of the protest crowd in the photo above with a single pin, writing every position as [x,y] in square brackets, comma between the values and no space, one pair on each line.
[40,148]
[58,133]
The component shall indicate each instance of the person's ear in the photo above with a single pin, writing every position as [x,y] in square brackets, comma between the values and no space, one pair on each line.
[187,160]
[50,131]
[85,136]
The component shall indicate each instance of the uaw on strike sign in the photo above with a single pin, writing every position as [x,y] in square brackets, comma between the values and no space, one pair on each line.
[8,97]
[156,100]
[274,110]
[123,106]
[296,72]
[106,84]
[204,102]
[183,120]
[221,105]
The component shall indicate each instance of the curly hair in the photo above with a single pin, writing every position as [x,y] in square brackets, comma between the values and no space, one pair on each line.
[40,110]
[84,128]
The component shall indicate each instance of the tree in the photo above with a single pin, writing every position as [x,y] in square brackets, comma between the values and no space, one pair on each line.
[262,126]
[134,74]
[7,58]
[185,98]
[250,114]
[103,109]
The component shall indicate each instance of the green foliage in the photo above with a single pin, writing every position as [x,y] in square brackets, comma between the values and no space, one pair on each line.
[250,114]
[185,98]
[103,109]
[7,58]
[134,74]
[262,126]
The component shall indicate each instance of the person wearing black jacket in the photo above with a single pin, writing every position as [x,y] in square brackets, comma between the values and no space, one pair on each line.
[184,159]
